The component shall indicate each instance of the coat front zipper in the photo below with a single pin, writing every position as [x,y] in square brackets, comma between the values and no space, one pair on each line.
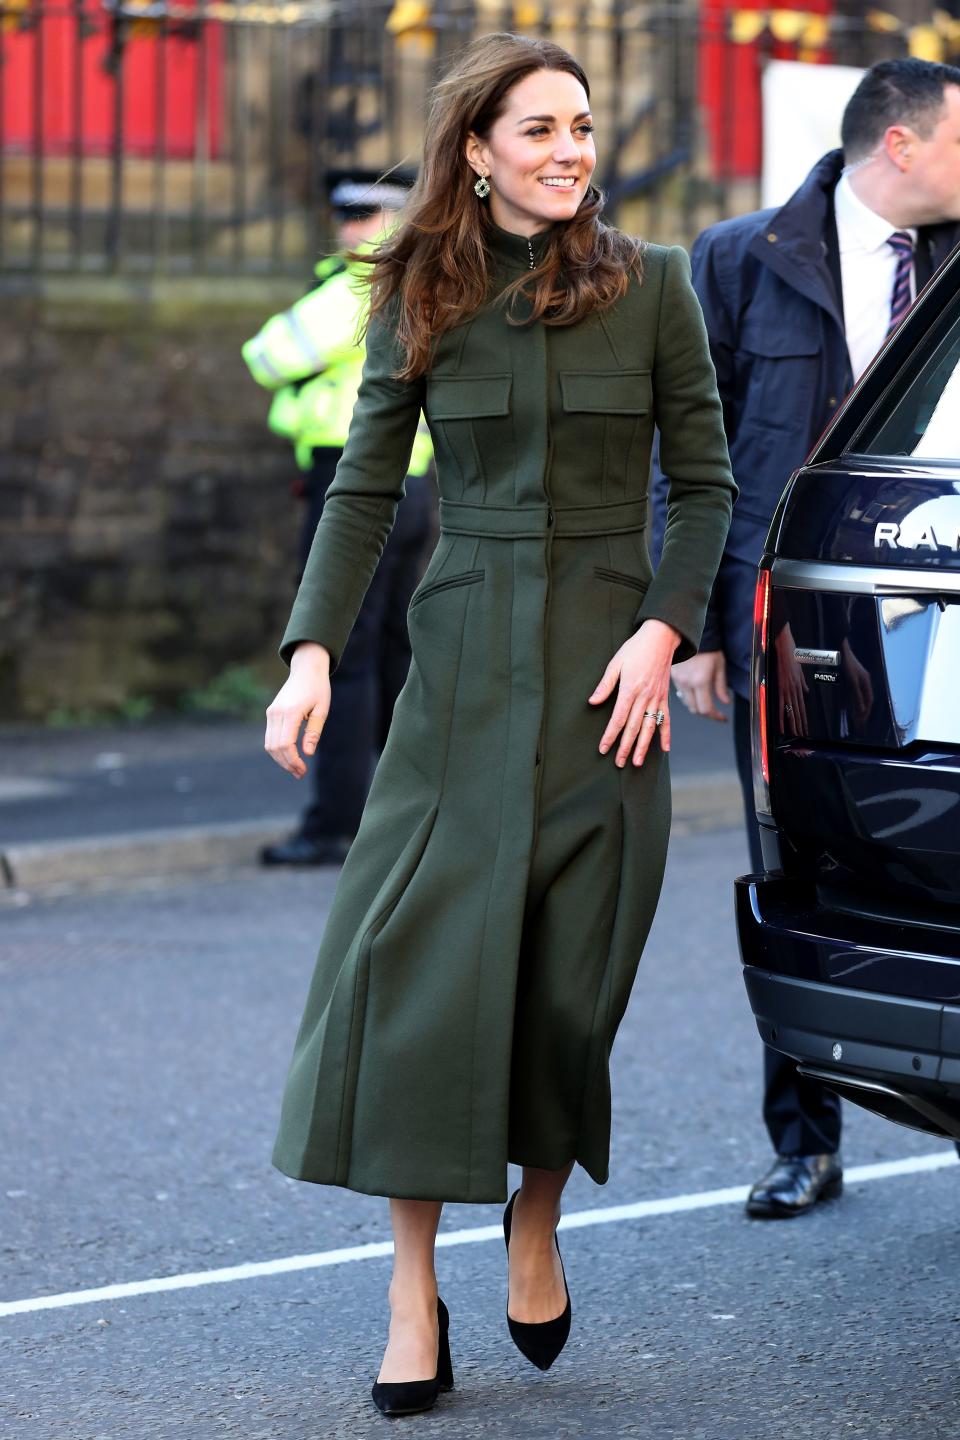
[533,263]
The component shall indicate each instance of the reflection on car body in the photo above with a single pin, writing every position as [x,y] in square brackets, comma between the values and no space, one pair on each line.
[851,935]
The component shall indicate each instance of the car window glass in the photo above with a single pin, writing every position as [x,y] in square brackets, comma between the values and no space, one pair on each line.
[941,438]
[921,414]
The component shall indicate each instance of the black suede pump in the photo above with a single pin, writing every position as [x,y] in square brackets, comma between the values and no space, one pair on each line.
[409,1397]
[540,1344]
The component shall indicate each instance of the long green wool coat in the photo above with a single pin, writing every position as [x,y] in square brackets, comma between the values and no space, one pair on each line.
[490,917]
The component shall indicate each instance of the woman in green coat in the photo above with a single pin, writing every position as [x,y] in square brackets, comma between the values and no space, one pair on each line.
[490,917]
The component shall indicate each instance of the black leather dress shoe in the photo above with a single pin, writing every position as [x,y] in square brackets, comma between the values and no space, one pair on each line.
[793,1185]
[301,850]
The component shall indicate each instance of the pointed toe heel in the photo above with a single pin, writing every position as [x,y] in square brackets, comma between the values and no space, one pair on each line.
[540,1344]
[411,1397]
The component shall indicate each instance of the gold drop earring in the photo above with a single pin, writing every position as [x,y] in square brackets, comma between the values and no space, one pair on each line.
[482,187]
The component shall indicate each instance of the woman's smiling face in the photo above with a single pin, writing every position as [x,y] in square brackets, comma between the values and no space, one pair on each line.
[539,155]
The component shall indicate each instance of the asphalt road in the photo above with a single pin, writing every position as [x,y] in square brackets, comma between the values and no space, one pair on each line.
[143,1039]
[66,784]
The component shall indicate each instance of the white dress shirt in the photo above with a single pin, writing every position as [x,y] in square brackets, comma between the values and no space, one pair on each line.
[867,269]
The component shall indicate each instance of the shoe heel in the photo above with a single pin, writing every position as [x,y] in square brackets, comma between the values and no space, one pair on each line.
[444,1363]
[831,1190]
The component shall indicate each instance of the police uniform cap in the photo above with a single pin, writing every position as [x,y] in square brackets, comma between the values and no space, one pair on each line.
[365,192]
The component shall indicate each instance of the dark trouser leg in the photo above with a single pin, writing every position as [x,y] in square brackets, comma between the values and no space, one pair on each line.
[801,1115]
[353,735]
[315,483]
[338,778]
[343,762]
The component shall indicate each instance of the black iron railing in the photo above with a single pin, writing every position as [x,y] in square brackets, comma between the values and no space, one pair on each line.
[195,136]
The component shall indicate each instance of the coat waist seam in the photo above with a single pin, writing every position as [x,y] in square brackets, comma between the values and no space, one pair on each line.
[536,522]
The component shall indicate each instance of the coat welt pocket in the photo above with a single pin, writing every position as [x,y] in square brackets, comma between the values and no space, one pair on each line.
[452,582]
[617,577]
[607,392]
[462,397]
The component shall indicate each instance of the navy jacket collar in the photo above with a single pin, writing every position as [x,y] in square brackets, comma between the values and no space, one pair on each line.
[795,240]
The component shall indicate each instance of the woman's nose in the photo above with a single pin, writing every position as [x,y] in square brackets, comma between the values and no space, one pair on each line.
[566,151]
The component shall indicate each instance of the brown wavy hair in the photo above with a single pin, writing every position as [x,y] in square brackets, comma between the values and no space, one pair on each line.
[433,271]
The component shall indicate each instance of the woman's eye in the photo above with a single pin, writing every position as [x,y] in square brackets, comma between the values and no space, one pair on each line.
[538,130]
[585,129]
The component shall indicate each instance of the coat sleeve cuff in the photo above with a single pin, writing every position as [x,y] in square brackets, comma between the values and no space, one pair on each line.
[296,635]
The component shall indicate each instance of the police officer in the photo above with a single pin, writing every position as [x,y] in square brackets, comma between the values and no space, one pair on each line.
[310,357]
[797,301]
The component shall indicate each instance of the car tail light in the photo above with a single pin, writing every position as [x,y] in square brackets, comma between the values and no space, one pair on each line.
[761,752]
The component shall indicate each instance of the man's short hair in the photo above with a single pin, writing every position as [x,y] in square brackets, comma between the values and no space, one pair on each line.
[894,92]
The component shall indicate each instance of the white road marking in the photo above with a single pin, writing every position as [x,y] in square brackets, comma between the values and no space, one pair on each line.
[14,789]
[610,1215]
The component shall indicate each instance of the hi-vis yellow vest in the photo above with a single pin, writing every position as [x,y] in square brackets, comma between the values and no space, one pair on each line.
[312,358]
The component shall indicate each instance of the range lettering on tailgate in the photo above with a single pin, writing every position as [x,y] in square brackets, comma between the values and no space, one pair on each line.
[887,534]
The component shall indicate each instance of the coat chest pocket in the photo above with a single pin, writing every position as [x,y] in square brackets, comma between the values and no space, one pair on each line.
[604,429]
[469,419]
[606,392]
[468,397]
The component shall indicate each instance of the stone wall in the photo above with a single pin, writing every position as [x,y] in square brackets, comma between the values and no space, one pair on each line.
[148,535]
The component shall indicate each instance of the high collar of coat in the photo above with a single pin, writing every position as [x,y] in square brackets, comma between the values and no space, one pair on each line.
[514,250]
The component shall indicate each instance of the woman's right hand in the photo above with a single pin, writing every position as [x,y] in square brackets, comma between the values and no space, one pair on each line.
[304,696]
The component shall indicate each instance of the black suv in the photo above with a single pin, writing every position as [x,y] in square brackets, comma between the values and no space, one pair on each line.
[851,937]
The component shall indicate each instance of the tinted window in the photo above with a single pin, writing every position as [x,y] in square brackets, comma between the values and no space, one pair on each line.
[920,413]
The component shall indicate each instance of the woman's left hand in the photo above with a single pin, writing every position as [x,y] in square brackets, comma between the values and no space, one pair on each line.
[642,667]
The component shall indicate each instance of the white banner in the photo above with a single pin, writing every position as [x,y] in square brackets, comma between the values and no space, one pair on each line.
[802,108]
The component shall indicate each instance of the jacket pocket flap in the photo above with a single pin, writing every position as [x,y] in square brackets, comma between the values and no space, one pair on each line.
[776,341]
[462,397]
[607,392]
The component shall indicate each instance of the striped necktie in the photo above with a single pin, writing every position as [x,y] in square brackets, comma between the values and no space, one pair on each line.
[901,243]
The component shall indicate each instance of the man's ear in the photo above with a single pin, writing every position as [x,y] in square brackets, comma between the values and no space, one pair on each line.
[899,144]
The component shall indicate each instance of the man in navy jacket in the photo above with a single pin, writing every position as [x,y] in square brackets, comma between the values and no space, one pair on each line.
[796,302]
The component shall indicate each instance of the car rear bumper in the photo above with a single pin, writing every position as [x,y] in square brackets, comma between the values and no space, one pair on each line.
[894,1054]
